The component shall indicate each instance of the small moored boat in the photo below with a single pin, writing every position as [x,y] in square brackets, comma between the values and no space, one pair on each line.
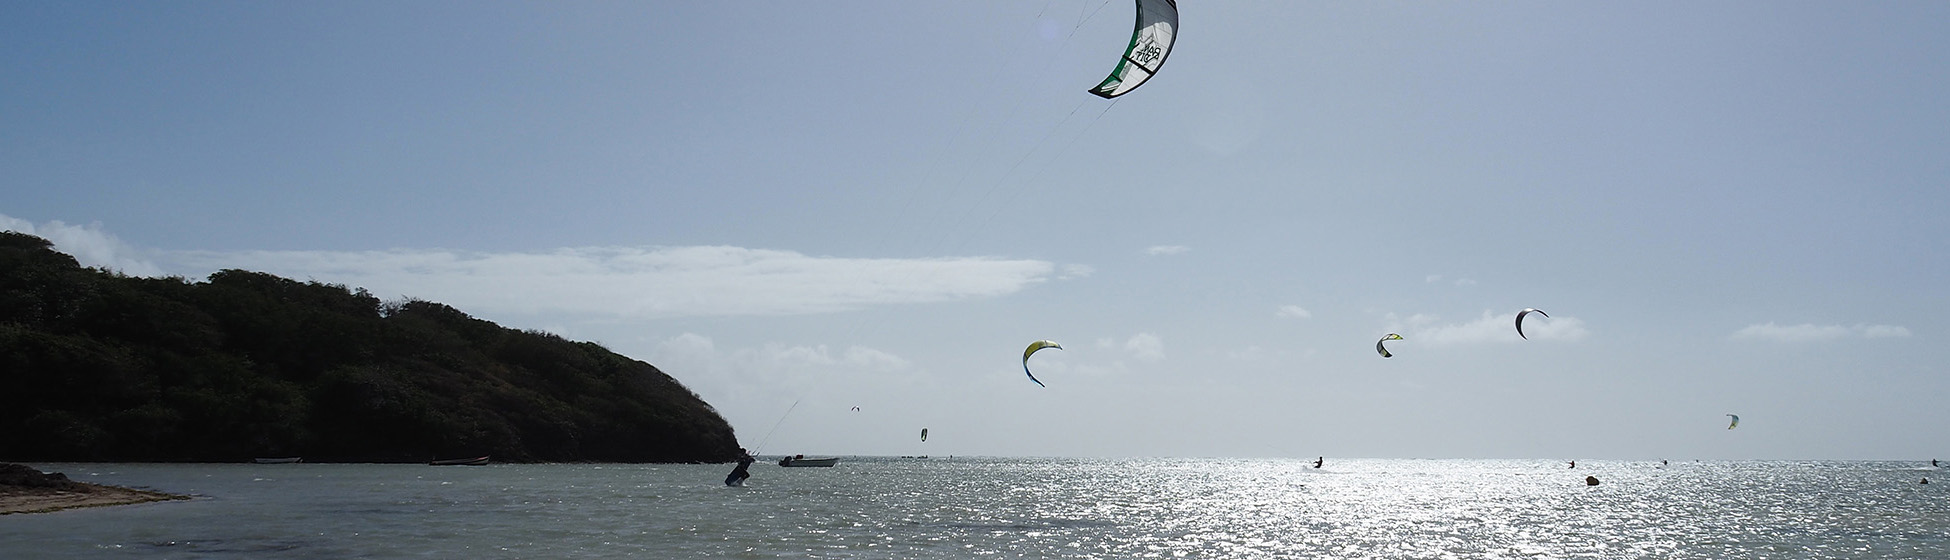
[804,461]
[475,461]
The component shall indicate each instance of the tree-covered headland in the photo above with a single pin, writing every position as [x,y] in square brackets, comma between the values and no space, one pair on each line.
[100,366]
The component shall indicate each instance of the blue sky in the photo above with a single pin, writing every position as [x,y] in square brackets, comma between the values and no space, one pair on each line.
[1731,207]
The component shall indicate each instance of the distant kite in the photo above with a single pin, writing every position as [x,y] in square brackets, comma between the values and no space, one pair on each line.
[1033,347]
[924,434]
[1527,311]
[856,409]
[1384,349]
[1735,422]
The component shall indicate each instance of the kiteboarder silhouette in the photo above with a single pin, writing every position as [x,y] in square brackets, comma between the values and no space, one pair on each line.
[738,475]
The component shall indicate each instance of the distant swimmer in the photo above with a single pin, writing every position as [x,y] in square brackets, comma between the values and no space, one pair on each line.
[738,475]
[1662,462]
[1319,462]
[1933,462]
[1926,481]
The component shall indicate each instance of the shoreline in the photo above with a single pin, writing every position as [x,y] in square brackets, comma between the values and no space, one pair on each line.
[29,500]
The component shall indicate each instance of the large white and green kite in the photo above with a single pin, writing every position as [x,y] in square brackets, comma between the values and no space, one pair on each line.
[1157,28]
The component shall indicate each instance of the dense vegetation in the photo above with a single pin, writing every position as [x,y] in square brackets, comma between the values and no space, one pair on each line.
[98,366]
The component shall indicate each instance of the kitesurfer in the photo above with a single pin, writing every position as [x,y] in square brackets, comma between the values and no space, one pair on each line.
[1319,462]
[738,475]
[1574,464]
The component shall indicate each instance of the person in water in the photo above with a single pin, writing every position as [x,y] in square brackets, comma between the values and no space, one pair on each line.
[738,475]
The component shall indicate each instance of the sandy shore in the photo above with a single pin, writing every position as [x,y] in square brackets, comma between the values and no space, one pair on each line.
[25,499]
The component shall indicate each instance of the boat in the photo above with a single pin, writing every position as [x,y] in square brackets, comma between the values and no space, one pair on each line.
[277,460]
[804,461]
[476,461]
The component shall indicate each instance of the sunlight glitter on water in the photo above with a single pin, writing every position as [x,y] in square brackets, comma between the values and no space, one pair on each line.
[1009,508]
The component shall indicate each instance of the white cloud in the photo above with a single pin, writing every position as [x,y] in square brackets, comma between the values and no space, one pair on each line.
[1809,332]
[1146,346]
[1293,311]
[1490,327]
[89,245]
[774,369]
[1167,250]
[1884,331]
[1075,271]
[640,282]
[874,359]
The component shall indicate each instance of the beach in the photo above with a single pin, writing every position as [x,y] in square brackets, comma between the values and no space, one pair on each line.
[19,499]
[24,490]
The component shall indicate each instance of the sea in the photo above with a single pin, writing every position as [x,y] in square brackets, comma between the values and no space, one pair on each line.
[991,507]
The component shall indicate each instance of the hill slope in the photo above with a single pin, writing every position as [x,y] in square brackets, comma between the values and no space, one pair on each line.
[96,366]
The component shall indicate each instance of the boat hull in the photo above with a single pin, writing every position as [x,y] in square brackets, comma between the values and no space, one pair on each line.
[470,462]
[809,462]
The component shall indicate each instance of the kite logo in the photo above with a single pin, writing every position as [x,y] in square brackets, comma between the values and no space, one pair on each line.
[1150,51]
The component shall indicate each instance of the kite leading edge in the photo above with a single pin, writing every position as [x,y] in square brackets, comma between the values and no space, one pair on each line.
[1033,347]
[1384,349]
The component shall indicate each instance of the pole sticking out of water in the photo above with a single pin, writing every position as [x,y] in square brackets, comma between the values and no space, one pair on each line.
[775,427]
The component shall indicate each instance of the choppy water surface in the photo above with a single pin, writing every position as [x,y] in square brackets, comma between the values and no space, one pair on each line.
[1009,508]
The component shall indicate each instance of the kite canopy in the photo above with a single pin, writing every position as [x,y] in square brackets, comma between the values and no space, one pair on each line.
[1735,422]
[1383,349]
[924,434]
[1527,311]
[1033,347]
[1157,28]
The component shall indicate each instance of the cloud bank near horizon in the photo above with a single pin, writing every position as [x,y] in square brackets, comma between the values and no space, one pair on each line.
[1810,332]
[88,244]
[624,282]
[644,282]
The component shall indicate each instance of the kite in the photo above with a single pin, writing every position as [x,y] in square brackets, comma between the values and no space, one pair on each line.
[1735,422]
[1033,347]
[1157,29]
[1527,311]
[1383,349]
[924,434]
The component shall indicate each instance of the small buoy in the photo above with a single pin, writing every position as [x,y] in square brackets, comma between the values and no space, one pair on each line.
[1590,481]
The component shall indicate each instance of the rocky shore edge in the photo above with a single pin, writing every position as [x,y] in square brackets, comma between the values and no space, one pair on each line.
[25,489]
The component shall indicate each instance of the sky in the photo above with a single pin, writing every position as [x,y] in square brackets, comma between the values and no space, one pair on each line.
[798,209]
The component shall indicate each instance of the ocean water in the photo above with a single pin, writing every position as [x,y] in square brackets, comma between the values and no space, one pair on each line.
[1010,508]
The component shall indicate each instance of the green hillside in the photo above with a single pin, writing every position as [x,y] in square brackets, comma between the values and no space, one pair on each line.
[97,366]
